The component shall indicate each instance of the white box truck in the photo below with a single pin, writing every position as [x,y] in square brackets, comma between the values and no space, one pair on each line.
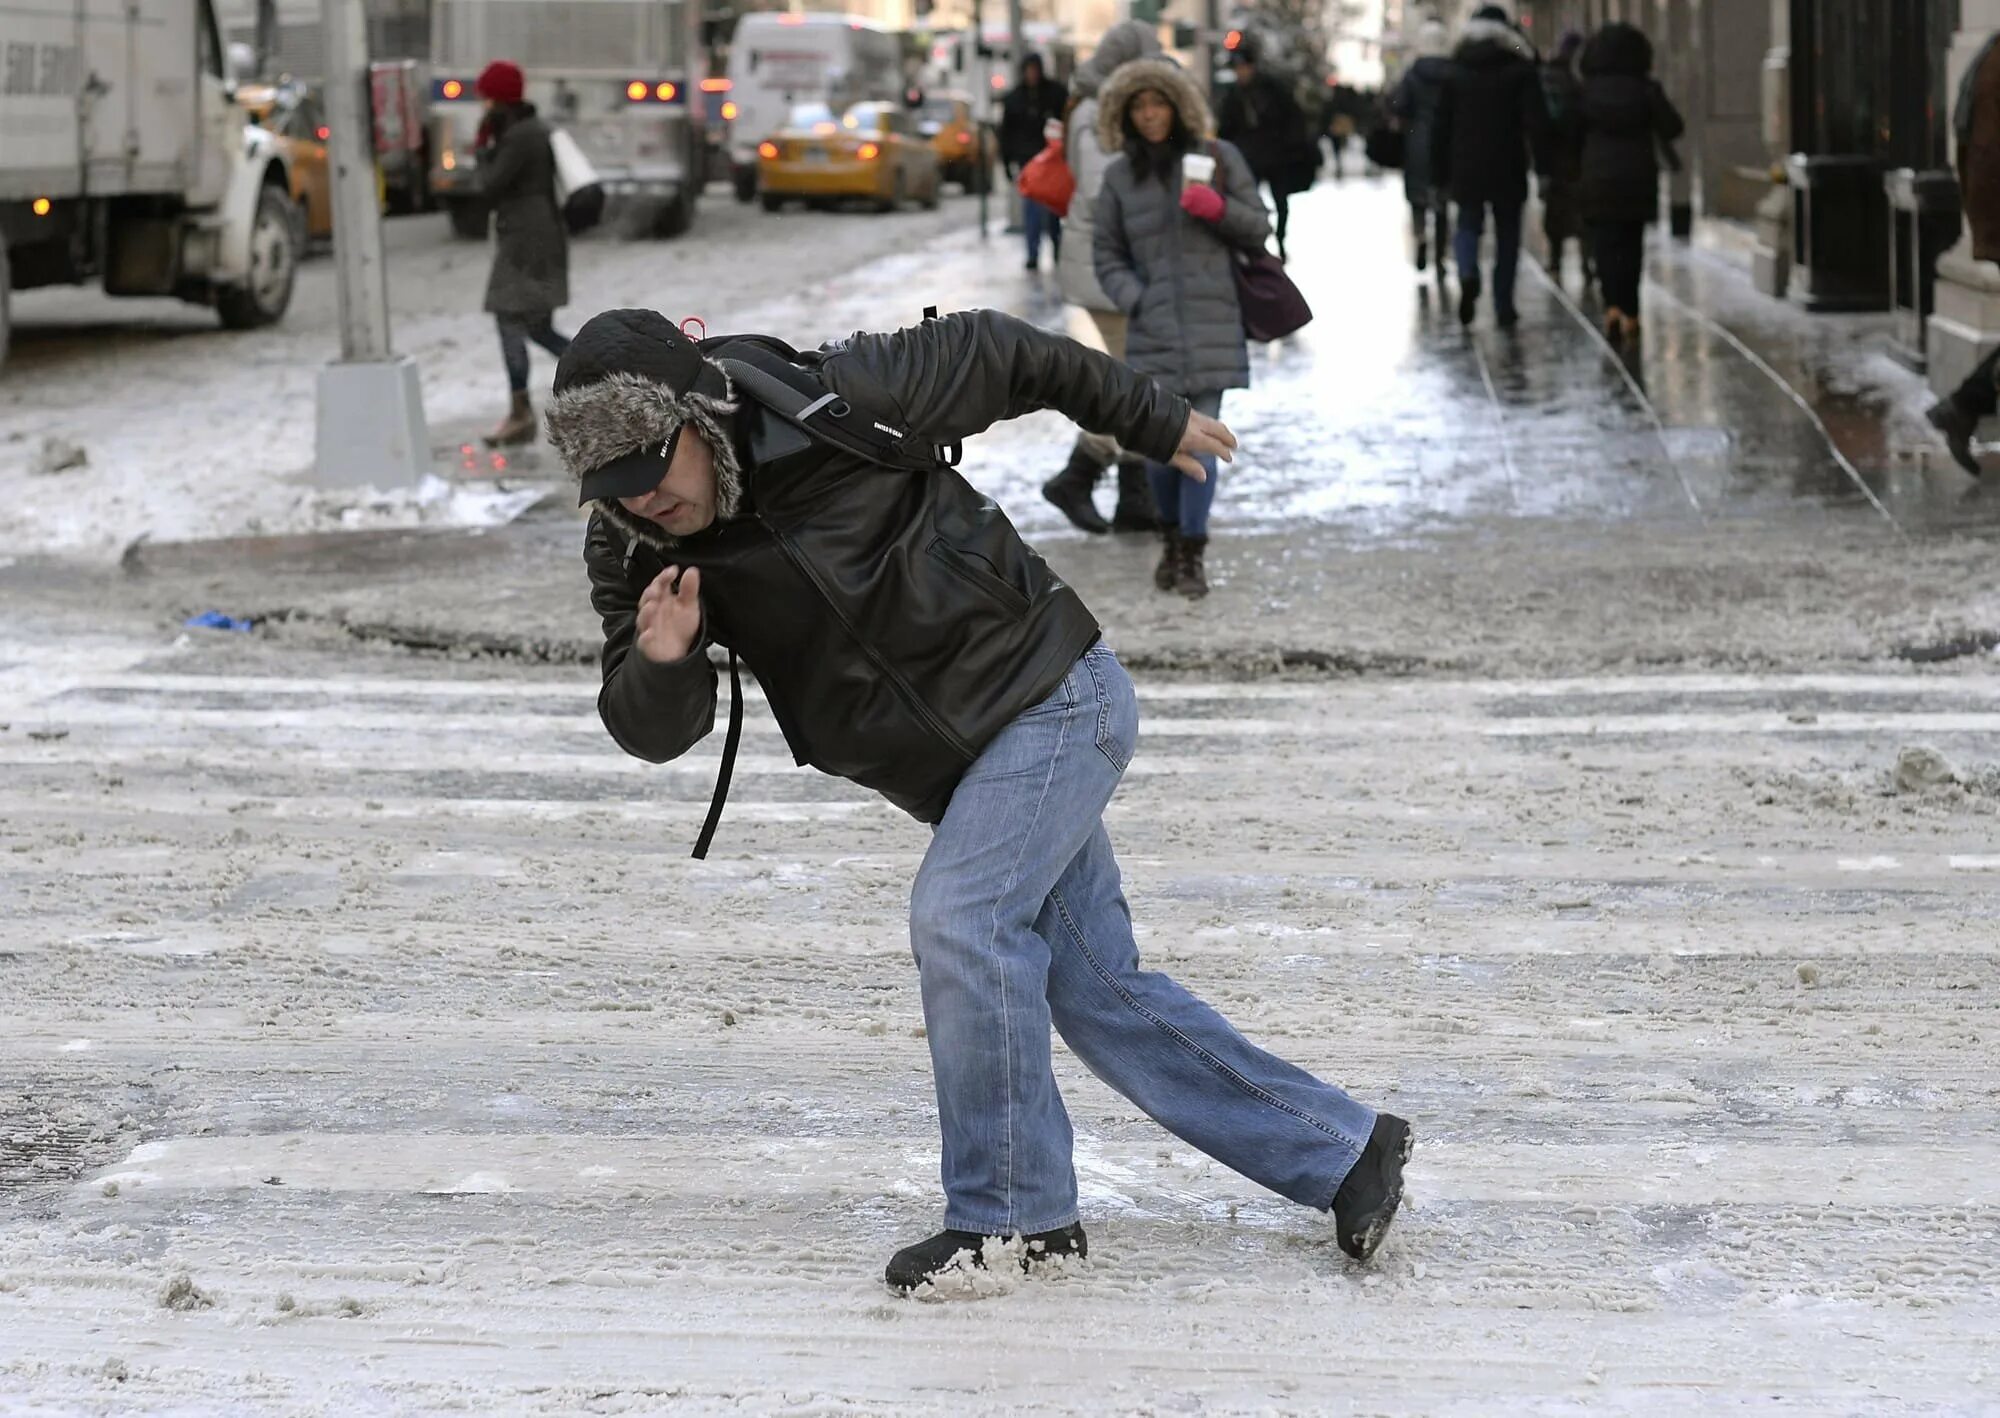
[618,75]
[779,60]
[124,159]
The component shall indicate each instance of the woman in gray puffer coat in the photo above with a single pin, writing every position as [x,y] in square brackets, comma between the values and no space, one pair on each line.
[1166,253]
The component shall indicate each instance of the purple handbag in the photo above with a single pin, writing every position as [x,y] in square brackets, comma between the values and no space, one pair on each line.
[1272,306]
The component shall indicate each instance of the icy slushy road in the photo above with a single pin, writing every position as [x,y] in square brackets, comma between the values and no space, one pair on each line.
[378,998]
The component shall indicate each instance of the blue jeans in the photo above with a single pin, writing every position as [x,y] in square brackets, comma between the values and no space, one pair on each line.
[1035,220]
[1182,501]
[1018,922]
[1506,247]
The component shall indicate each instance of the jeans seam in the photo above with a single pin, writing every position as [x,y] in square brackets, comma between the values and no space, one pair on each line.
[1209,1060]
[1006,1012]
[1103,714]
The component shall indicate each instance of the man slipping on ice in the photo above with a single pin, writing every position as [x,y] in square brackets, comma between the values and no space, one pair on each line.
[907,639]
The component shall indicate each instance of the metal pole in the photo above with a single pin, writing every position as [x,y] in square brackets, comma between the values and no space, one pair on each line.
[357,220]
[1016,53]
[1205,45]
[370,428]
[981,105]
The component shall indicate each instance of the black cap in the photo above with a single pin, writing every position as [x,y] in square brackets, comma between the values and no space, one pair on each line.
[634,475]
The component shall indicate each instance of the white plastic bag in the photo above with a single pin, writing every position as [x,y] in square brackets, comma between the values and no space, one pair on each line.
[579,190]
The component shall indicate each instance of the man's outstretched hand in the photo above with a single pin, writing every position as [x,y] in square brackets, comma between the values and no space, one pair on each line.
[1204,437]
[670,617]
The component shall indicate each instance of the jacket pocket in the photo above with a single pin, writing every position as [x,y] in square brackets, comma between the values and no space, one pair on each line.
[974,572]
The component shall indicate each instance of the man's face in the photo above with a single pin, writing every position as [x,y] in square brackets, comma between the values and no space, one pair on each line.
[684,502]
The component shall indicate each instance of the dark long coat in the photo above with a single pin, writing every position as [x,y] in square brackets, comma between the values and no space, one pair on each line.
[1626,118]
[517,175]
[1492,123]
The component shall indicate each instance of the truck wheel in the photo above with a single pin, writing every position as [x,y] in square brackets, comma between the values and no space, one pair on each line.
[746,184]
[469,220]
[673,218]
[274,266]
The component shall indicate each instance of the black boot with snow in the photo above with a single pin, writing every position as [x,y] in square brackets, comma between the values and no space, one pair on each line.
[1135,511]
[1957,423]
[950,1251]
[1191,579]
[1367,1200]
[1070,489]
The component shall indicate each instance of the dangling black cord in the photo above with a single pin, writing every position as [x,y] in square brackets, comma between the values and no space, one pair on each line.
[729,742]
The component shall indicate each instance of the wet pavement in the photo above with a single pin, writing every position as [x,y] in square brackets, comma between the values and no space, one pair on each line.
[1749,486]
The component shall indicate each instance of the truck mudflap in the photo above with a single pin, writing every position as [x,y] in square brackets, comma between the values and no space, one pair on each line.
[261,163]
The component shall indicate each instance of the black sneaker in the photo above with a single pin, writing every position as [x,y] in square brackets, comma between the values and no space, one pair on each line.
[1957,425]
[1368,1198]
[1468,297]
[966,1250]
[1507,319]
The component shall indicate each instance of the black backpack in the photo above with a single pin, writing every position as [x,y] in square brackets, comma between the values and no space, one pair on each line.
[767,371]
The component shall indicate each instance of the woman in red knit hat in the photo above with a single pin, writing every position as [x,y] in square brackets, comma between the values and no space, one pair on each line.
[517,176]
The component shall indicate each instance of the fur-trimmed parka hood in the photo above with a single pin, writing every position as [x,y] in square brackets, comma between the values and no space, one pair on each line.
[1128,81]
[1485,42]
[628,380]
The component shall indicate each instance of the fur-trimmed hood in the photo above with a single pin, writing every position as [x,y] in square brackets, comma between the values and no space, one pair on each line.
[1126,83]
[614,397]
[1484,42]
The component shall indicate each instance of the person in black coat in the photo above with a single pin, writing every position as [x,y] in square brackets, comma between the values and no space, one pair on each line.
[1414,103]
[1262,118]
[1562,217]
[1025,115]
[516,175]
[1491,127]
[1627,117]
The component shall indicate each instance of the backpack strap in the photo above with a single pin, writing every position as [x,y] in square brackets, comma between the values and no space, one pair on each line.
[797,396]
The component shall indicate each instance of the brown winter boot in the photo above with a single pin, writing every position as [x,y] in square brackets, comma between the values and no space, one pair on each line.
[1167,574]
[1192,580]
[517,428]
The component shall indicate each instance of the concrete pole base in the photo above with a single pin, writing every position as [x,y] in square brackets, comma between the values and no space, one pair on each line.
[371,430]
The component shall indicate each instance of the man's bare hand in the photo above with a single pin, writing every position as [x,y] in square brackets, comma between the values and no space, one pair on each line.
[1204,437]
[670,618]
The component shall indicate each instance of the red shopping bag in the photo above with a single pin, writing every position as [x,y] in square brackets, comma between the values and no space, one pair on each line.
[1047,180]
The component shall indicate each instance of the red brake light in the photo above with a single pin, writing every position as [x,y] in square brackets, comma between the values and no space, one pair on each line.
[729,112]
[453,89]
[324,132]
[964,138]
[767,151]
[999,81]
[636,91]
[665,93]
[870,151]
[716,86]
[1233,40]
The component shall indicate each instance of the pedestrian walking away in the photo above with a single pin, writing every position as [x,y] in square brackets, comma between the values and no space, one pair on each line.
[516,176]
[1025,115]
[1345,108]
[1166,247]
[1414,103]
[724,515]
[1262,117]
[1626,118]
[1975,119]
[1071,489]
[1491,127]
[1562,214]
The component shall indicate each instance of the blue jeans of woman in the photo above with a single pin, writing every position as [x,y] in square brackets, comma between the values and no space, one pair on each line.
[1018,922]
[1182,501]
[516,329]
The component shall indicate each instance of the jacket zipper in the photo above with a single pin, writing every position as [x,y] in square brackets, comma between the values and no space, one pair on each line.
[896,681]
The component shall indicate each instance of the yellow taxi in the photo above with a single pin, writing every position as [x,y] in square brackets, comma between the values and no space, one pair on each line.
[872,153]
[958,139]
[295,116]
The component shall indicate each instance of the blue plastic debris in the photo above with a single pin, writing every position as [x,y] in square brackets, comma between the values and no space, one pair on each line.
[215,620]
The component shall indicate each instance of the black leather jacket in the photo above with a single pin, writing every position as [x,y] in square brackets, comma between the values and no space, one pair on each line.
[896,621]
